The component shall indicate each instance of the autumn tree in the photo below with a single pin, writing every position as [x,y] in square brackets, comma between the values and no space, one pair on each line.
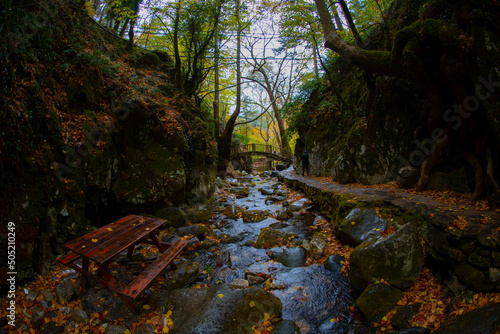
[275,83]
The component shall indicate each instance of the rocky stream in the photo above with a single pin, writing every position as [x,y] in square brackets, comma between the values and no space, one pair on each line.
[257,264]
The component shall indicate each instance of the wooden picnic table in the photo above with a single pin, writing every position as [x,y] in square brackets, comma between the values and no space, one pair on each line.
[102,245]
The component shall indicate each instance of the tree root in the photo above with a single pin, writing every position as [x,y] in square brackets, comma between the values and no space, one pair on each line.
[430,162]
[478,175]
[490,178]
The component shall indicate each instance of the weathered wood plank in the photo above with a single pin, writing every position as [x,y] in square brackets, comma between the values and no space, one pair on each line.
[141,282]
[69,258]
[84,244]
[124,240]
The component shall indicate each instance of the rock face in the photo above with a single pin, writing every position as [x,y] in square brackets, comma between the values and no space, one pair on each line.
[396,258]
[219,309]
[101,152]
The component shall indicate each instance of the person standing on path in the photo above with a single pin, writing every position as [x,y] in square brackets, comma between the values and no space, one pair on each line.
[305,162]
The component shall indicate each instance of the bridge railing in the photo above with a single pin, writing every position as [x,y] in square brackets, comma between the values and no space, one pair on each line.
[254,148]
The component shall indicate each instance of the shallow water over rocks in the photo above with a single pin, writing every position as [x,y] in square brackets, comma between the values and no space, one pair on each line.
[314,298]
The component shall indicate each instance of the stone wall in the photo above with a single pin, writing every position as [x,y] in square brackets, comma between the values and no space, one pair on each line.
[465,244]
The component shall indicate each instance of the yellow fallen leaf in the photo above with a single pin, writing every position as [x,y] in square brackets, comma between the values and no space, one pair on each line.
[220,295]
[146,307]
[83,246]
[110,229]
[95,240]
[127,331]
[165,329]
[352,223]
[333,320]
[252,303]
[147,228]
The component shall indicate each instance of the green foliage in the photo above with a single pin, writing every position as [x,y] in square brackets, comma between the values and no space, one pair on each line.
[99,60]
[240,139]
[297,111]
[185,29]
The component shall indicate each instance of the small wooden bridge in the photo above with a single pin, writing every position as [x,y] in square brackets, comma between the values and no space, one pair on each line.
[258,149]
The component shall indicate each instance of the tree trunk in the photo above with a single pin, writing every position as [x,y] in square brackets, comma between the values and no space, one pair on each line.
[216,103]
[124,28]
[177,57]
[340,27]
[373,61]
[225,140]
[132,24]
[350,22]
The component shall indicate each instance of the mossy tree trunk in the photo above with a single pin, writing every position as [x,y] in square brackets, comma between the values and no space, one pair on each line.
[438,55]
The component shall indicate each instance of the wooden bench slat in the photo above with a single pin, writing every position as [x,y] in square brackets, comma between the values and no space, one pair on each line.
[68,258]
[141,282]
[84,244]
[125,239]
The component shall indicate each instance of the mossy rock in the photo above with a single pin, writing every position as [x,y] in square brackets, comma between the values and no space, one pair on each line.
[185,274]
[270,237]
[175,216]
[148,60]
[233,211]
[377,300]
[198,230]
[396,258]
[254,216]
[404,314]
[474,277]
[454,179]
[360,225]
[225,238]
[284,215]
[482,320]
[240,192]
[198,215]
[219,309]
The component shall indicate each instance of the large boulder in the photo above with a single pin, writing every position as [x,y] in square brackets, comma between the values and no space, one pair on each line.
[175,216]
[219,309]
[377,300]
[485,320]
[299,204]
[360,225]
[396,258]
[290,257]
[270,237]
[233,211]
[198,215]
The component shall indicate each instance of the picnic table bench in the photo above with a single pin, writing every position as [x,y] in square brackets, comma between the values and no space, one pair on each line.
[102,245]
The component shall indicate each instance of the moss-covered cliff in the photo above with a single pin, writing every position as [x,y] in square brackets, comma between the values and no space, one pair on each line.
[90,131]
[435,122]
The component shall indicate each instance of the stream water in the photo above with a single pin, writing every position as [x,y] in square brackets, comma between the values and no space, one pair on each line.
[315,299]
